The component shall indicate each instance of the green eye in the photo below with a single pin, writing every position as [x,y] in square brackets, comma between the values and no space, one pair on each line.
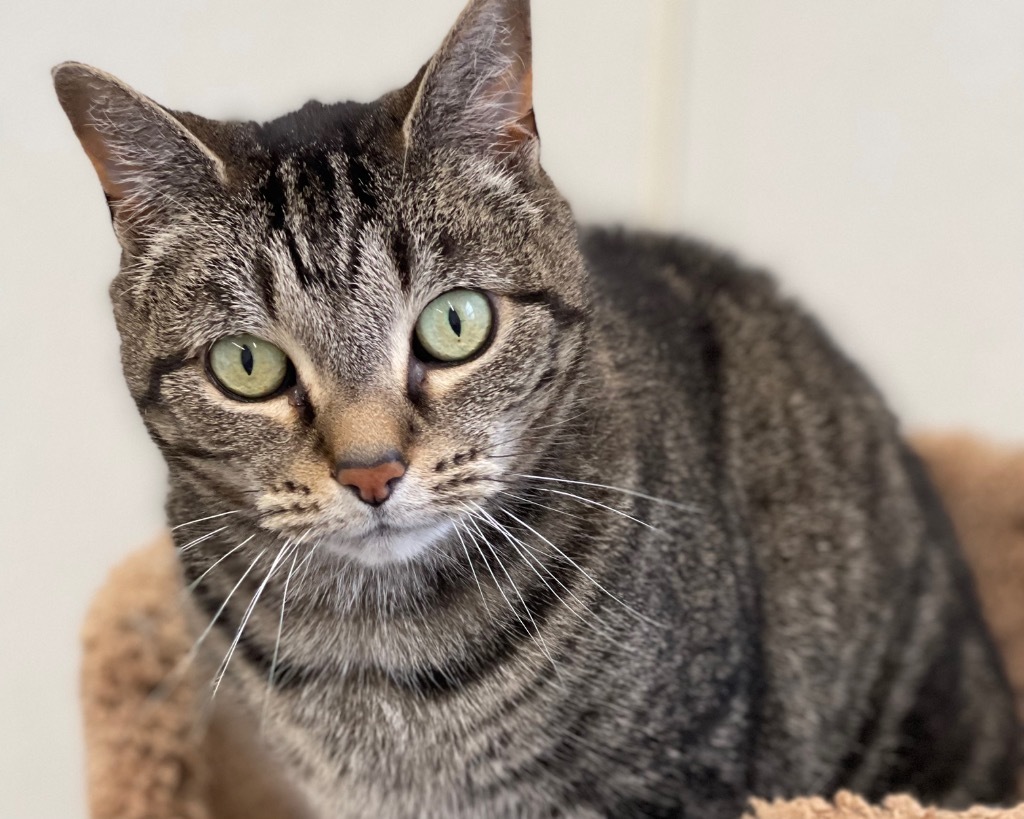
[248,367]
[455,326]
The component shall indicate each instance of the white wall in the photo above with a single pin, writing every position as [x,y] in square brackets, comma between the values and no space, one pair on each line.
[872,153]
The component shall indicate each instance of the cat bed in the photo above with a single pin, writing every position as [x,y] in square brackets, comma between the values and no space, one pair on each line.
[155,752]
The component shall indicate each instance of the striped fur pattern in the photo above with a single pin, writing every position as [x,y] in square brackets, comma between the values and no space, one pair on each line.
[658,548]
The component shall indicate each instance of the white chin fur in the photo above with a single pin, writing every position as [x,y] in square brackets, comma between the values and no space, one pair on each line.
[382,548]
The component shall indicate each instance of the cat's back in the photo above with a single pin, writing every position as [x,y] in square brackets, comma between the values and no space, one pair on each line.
[724,338]
[685,325]
[669,286]
[866,614]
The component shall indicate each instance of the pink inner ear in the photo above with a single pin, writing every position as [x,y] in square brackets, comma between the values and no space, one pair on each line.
[96,148]
[85,92]
[135,146]
[478,89]
[119,178]
[512,98]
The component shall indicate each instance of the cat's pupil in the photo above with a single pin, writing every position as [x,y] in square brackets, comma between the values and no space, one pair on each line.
[247,360]
[454,321]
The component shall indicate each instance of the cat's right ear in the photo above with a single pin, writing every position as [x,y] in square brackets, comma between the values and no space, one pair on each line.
[476,93]
[146,159]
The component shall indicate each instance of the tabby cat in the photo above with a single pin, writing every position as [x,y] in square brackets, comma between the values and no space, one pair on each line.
[492,517]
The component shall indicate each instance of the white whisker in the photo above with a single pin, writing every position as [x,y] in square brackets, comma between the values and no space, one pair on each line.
[199,540]
[538,637]
[185,661]
[280,628]
[585,573]
[245,619]
[600,505]
[532,502]
[469,560]
[685,507]
[529,556]
[306,560]
[532,552]
[192,586]
[497,585]
[200,520]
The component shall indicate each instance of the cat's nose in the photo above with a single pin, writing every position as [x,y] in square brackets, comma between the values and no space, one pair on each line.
[373,482]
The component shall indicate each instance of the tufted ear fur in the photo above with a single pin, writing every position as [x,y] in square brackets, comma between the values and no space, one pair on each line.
[147,160]
[477,90]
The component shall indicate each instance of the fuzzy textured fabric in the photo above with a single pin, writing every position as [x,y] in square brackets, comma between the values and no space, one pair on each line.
[983,487]
[848,806]
[154,752]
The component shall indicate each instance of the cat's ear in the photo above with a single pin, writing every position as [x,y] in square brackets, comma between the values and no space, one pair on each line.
[477,90]
[147,161]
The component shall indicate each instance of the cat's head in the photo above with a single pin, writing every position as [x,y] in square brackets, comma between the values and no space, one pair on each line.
[353,323]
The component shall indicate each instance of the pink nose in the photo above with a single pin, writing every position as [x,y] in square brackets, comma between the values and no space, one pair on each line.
[373,484]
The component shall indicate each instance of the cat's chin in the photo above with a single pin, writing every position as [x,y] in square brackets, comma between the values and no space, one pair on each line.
[389,545]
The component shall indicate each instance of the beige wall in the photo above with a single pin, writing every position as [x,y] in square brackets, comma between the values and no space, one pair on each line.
[872,153]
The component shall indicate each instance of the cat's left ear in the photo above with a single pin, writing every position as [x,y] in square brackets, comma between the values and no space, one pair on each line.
[476,92]
[149,163]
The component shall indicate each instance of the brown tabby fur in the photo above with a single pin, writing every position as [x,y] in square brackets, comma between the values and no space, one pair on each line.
[657,547]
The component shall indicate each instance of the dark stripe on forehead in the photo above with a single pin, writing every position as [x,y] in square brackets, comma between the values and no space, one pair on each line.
[400,253]
[564,314]
[273,192]
[320,165]
[305,280]
[264,273]
[362,183]
[318,184]
[305,189]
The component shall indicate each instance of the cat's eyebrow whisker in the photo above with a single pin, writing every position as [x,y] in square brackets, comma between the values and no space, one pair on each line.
[195,583]
[538,637]
[684,507]
[200,520]
[202,539]
[245,619]
[585,573]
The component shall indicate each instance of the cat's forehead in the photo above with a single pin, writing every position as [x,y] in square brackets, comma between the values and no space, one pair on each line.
[330,257]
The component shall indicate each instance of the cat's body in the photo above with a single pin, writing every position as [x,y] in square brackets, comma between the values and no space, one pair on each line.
[814,626]
[653,547]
